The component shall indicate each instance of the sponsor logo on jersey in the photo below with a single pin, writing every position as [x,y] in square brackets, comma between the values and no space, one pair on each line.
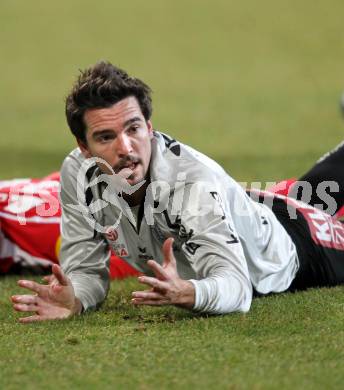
[325,230]
[120,249]
[116,241]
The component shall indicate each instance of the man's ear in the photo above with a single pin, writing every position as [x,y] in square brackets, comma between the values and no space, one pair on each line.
[150,128]
[84,148]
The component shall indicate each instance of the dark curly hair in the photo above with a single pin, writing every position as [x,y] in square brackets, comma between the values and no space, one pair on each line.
[101,86]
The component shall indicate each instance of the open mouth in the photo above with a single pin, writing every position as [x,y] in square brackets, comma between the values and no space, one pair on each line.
[127,167]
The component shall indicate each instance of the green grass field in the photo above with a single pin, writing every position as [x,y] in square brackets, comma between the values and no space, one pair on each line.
[256,86]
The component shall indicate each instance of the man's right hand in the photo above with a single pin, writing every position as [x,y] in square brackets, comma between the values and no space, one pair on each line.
[55,300]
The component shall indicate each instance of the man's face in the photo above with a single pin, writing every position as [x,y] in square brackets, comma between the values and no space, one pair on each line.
[121,136]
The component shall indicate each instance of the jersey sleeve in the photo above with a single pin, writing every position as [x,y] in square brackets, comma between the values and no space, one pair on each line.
[84,255]
[214,250]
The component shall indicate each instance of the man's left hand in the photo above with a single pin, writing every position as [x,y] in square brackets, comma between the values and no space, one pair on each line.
[167,288]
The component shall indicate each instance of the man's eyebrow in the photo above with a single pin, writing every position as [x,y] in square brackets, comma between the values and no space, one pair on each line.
[96,133]
[132,120]
[101,132]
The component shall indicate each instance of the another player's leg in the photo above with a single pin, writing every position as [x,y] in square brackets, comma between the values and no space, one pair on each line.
[322,186]
[319,240]
[326,179]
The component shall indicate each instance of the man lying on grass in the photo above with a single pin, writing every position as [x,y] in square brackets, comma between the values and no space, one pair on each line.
[172,213]
[30,209]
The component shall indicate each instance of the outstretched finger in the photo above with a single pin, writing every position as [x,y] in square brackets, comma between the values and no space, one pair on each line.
[158,270]
[28,299]
[167,250]
[48,278]
[153,282]
[24,307]
[147,295]
[33,286]
[60,276]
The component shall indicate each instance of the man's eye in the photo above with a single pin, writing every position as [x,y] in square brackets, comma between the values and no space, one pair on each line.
[133,128]
[104,138]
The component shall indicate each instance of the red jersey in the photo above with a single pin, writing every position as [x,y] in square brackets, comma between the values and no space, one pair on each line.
[30,215]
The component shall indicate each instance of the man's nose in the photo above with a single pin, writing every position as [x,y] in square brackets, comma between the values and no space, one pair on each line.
[123,145]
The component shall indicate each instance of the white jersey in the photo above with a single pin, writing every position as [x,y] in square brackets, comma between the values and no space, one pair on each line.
[225,242]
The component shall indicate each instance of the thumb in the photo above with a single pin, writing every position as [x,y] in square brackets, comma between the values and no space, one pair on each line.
[167,250]
[48,278]
[59,275]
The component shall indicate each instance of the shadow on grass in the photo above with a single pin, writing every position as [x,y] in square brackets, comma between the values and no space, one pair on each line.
[124,310]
